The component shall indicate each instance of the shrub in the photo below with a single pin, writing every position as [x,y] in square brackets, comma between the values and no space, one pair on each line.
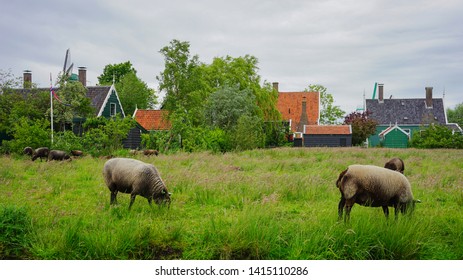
[67,141]
[28,133]
[437,136]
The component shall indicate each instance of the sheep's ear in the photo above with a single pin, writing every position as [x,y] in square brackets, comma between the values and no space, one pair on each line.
[163,192]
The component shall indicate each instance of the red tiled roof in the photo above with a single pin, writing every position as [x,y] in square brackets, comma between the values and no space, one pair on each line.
[328,129]
[290,106]
[152,119]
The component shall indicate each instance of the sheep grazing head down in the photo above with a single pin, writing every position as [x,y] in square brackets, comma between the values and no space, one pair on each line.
[395,164]
[374,186]
[135,178]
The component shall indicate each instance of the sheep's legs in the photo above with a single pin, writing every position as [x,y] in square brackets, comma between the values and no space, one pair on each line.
[348,206]
[386,211]
[341,204]
[113,197]
[132,199]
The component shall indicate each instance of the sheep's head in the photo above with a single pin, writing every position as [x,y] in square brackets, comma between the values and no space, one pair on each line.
[162,198]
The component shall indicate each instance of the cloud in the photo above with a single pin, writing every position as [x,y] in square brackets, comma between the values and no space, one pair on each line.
[346,46]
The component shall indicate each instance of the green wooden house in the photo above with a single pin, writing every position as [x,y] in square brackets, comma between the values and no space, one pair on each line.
[399,119]
[394,137]
[105,101]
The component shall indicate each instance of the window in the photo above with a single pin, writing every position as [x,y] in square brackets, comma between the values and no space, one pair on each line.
[112,109]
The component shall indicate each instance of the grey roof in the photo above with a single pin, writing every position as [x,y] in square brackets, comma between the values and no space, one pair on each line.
[406,111]
[97,95]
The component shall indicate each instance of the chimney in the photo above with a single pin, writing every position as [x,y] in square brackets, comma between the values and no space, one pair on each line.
[27,79]
[381,92]
[275,86]
[428,97]
[304,119]
[83,76]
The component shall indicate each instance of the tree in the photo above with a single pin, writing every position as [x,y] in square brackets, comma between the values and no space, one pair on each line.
[329,114]
[8,81]
[181,79]
[134,93]
[72,102]
[248,133]
[362,126]
[115,73]
[227,104]
[456,115]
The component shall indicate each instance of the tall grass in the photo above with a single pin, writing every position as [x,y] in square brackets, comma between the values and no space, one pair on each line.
[260,204]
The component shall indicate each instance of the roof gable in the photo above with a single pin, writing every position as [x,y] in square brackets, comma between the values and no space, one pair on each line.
[99,95]
[406,111]
[152,119]
[290,106]
[392,128]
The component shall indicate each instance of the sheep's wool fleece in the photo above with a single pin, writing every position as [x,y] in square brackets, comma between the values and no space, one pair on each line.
[130,172]
[384,182]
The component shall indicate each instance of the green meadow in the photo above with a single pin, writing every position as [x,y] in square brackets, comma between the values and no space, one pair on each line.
[260,204]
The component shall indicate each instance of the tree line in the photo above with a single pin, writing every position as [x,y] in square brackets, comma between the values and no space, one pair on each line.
[220,106]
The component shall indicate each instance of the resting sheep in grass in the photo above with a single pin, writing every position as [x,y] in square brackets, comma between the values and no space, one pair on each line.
[135,177]
[150,152]
[374,186]
[395,164]
[41,152]
[58,155]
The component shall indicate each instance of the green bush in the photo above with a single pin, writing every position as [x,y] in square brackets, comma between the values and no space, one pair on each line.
[67,141]
[437,136]
[28,133]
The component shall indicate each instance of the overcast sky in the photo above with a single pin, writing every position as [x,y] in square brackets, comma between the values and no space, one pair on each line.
[346,46]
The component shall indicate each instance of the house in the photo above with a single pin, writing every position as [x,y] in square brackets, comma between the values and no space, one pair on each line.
[105,101]
[302,111]
[327,136]
[152,120]
[299,108]
[399,119]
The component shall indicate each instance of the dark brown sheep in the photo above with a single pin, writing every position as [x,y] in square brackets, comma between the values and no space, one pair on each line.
[77,153]
[395,164]
[58,155]
[41,152]
[28,151]
[150,152]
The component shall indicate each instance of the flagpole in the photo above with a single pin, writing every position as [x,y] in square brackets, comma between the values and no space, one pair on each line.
[51,109]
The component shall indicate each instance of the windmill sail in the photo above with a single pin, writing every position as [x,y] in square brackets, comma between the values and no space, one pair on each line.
[67,67]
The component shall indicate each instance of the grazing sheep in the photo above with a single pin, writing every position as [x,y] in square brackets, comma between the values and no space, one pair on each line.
[58,155]
[374,186]
[76,153]
[150,152]
[41,152]
[28,151]
[395,164]
[135,177]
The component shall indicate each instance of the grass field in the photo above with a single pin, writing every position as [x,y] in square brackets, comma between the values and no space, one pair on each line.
[261,204]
